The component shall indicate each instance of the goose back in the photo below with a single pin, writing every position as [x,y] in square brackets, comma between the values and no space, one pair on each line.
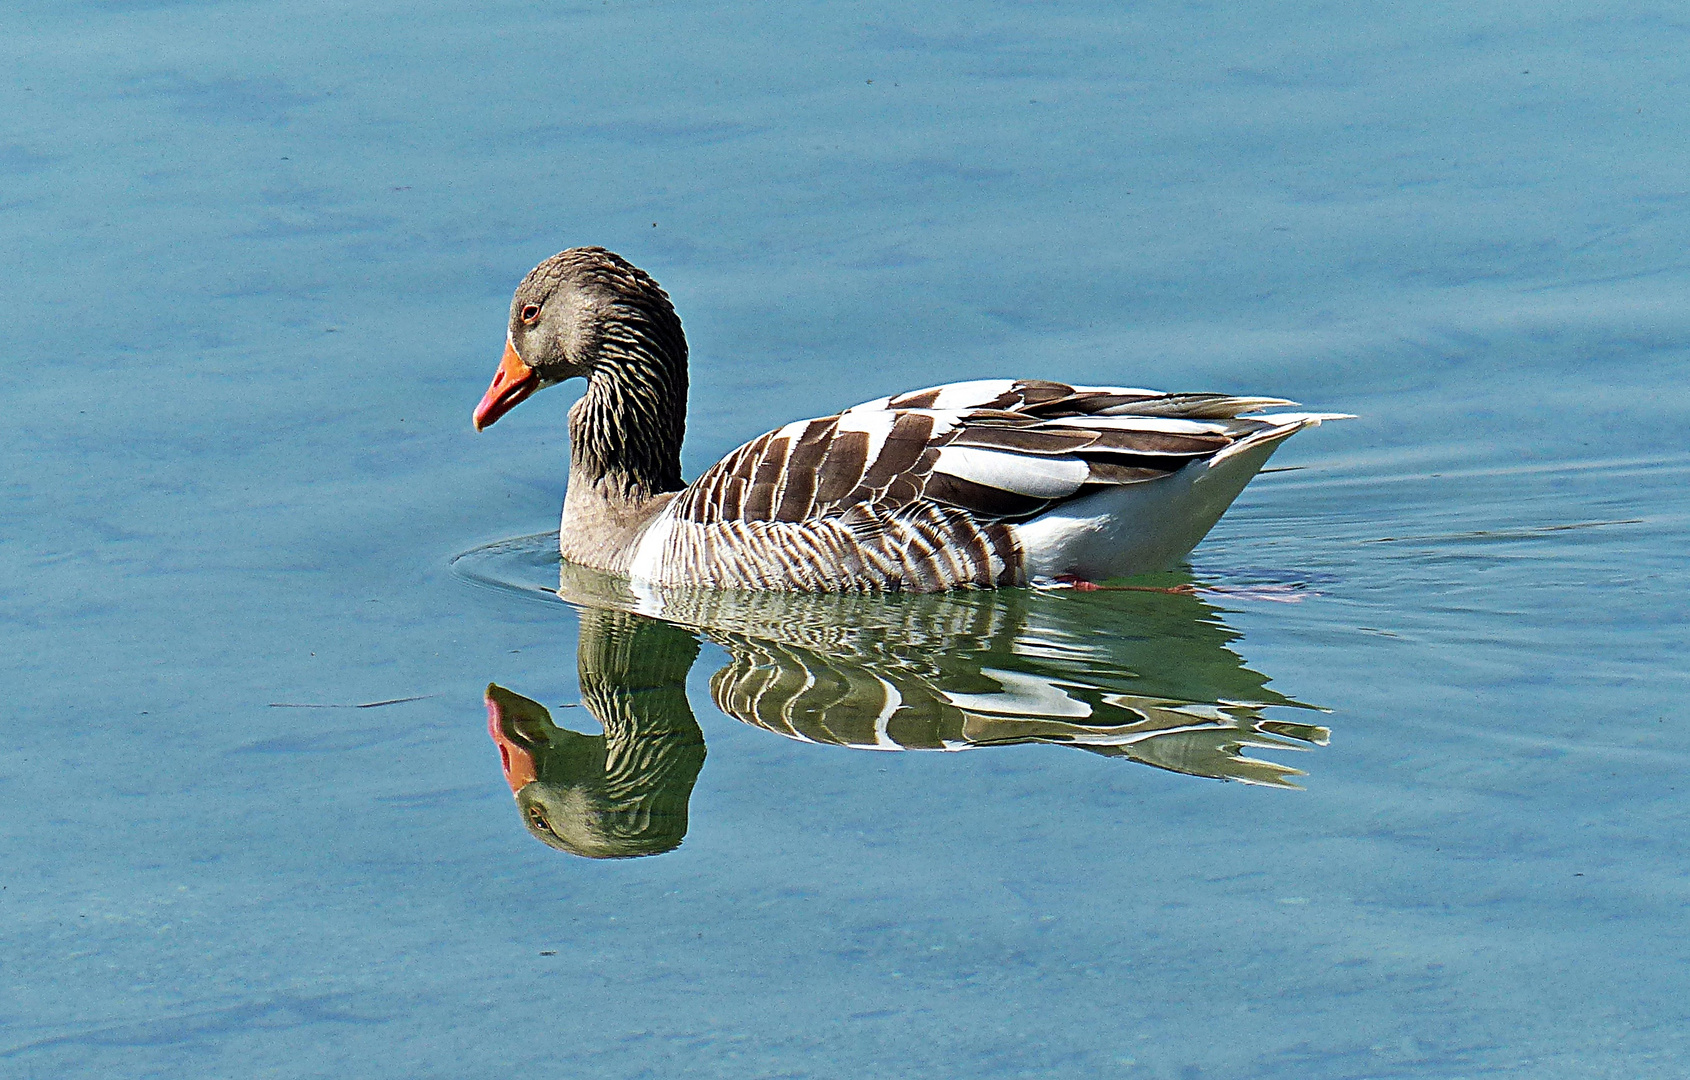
[934,489]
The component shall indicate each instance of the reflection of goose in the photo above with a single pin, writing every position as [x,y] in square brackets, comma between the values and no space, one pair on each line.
[624,792]
[983,483]
[1142,676]
[1147,676]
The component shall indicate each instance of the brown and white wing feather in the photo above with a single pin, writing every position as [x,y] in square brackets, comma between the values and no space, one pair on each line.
[917,490]
[1041,397]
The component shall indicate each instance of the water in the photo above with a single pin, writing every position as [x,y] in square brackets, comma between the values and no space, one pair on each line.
[257,265]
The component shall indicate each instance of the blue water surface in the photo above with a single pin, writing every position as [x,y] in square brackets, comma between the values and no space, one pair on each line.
[256,266]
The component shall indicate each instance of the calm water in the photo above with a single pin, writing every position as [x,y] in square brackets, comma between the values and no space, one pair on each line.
[255,273]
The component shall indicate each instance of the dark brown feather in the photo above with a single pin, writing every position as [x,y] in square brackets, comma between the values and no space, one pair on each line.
[798,499]
[1037,391]
[1105,472]
[903,490]
[980,499]
[985,415]
[702,500]
[904,445]
[732,498]
[1157,442]
[1083,403]
[967,535]
[759,502]
[1008,552]
[1025,440]
[847,457]
[922,399]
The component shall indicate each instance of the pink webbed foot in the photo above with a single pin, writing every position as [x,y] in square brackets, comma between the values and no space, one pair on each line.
[1070,581]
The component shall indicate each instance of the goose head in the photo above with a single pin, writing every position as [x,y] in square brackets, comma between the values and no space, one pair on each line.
[585,313]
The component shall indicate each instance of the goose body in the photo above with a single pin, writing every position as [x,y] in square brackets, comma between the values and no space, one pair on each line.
[970,485]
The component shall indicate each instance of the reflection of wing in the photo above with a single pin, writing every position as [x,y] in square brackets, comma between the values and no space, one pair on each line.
[1145,676]
[804,695]
[1214,746]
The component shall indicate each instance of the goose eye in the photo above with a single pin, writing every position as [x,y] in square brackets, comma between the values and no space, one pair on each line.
[538,818]
[530,312]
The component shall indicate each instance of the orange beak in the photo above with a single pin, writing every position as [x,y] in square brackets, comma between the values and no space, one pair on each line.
[514,381]
[516,761]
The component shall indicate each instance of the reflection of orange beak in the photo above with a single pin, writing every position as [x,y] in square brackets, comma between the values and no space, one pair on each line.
[515,760]
[514,381]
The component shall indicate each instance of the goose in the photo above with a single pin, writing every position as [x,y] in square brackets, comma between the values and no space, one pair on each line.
[980,484]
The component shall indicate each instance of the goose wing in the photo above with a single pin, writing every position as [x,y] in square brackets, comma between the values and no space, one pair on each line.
[998,449]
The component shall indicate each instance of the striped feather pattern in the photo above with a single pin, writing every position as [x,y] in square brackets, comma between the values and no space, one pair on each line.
[921,491]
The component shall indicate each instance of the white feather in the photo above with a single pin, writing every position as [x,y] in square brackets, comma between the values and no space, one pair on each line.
[1285,424]
[971,395]
[877,405]
[962,395]
[1041,476]
[647,563]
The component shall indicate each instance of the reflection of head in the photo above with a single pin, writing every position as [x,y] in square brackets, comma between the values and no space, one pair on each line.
[623,793]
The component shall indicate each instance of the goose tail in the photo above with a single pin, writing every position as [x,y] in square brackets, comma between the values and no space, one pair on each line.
[1144,527]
